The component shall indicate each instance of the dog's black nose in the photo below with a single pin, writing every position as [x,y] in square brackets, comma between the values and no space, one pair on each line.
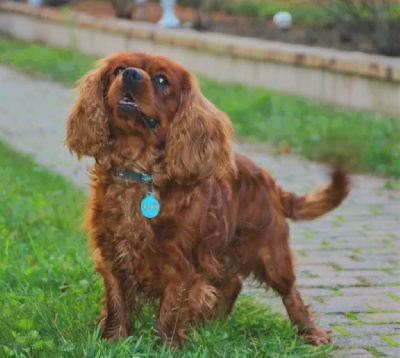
[132,75]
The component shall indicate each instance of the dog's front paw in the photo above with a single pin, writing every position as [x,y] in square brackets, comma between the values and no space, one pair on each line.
[317,336]
[110,332]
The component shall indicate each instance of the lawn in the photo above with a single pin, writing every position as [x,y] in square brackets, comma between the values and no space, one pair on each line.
[49,295]
[363,141]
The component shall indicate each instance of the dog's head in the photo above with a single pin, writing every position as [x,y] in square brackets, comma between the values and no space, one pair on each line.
[158,102]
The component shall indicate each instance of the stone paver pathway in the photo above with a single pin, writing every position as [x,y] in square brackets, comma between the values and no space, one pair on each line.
[348,262]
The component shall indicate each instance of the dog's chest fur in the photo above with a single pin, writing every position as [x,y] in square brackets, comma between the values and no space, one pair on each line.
[144,250]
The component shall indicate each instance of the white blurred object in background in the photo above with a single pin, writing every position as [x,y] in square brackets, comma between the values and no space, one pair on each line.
[35,2]
[283,20]
[168,18]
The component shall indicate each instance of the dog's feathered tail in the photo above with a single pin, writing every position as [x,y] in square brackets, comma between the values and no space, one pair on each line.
[319,201]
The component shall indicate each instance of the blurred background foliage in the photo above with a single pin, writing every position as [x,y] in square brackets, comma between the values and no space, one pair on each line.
[352,21]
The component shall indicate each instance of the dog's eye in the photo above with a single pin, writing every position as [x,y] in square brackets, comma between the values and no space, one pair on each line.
[161,81]
[118,70]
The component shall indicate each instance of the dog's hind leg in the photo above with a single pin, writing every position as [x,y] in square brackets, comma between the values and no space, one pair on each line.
[227,293]
[274,266]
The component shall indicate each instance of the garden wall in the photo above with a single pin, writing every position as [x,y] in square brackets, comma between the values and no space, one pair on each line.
[349,79]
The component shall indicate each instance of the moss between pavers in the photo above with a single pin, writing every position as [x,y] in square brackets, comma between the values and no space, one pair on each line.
[341,330]
[390,340]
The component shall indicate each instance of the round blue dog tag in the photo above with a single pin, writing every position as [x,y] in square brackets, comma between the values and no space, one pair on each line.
[150,206]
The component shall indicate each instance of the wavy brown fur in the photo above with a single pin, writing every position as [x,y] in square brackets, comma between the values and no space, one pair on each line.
[319,201]
[222,218]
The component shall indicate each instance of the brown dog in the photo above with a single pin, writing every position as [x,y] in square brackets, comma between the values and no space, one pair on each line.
[221,218]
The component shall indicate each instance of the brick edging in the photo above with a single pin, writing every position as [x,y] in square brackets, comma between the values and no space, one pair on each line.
[351,63]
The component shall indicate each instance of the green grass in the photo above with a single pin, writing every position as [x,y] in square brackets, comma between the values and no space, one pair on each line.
[62,65]
[363,141]
[49,295]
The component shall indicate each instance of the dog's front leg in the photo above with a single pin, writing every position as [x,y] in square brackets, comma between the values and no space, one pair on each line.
[185,299]
[115,318]
[173,314]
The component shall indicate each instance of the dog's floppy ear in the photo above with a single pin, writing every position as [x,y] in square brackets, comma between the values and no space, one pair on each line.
[198,143]
[87,124]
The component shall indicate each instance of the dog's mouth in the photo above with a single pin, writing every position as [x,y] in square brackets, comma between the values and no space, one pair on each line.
[128,104]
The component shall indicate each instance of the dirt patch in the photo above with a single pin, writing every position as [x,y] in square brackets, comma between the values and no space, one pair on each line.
[352,38]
